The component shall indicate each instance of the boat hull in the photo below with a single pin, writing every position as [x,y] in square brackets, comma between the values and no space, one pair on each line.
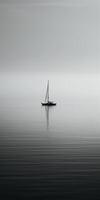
[48,104]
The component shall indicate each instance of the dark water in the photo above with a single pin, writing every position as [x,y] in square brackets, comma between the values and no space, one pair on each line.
[49,153]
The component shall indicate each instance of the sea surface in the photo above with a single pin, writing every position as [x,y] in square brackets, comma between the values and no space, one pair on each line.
[49,152]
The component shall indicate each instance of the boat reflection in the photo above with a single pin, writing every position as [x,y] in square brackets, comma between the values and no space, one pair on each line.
[49,112]
[47,109]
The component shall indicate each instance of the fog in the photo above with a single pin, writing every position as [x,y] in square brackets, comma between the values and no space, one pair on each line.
[62,85]
[57,41]
[50,36]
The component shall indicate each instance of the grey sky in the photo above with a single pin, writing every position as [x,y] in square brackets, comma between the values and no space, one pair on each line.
[50,35]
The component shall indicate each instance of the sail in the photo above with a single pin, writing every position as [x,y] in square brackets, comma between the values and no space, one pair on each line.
[47,102]
[47,93]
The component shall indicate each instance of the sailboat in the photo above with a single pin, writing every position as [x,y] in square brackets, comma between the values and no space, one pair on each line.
[47,102]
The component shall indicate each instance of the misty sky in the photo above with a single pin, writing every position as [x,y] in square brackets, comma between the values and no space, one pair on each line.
[50,35]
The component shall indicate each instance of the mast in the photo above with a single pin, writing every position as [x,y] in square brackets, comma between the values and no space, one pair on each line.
[47,93]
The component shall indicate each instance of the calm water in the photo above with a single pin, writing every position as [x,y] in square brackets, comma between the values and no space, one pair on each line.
[49,153]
